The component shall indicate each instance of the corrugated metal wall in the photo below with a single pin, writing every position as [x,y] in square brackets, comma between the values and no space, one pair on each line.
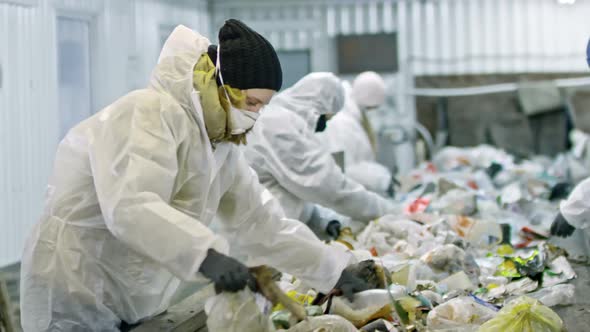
[497,36]
[443,36]
[27,118]
[291,25]
[294,25]
[125,46]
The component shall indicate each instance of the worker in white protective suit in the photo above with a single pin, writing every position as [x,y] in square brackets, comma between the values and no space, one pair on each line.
[294,164]
[135,186]
[351,132]
[573,219]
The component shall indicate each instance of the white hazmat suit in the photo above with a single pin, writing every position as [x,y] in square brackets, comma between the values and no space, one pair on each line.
[345,132]
[128,205]
[576,211]
[294,164]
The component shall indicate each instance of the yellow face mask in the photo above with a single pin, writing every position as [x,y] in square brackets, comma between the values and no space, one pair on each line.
[216,107]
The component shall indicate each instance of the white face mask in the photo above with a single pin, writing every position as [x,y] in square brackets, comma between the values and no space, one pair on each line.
[240,120]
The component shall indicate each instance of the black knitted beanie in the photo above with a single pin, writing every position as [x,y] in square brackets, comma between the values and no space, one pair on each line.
[248,60]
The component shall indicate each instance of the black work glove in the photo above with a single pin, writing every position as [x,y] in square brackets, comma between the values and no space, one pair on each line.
[333,229]
[560,191]
[227,273]
[350,284]
[321,124]
[493,170]
[561,227]
[391,189]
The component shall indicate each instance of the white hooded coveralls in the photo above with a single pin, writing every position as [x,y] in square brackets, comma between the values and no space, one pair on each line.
[294,164]
[133,190]
[576,210]
[345,133]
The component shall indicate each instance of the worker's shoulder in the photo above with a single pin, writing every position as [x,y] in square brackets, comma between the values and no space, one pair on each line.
[151,103]
[152,99]
[279,120]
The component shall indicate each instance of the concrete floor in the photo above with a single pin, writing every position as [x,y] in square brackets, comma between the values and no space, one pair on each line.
[576,317]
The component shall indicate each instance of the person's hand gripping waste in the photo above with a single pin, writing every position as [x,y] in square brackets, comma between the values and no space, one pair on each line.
[333,229]
[560,227]
[226,273]
[349,284]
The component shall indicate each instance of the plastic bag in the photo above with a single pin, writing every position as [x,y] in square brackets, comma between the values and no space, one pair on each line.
[560,271]
[457,281]
[360,317]
[433,297]
[450,258]
[456,201]
[478,232]
[378,326]
[459,314]
[283,319]
[391,234]
[556,295]
[522,286]
[236,312]
[513,193]
[524,314]
[326,323]
[377,297]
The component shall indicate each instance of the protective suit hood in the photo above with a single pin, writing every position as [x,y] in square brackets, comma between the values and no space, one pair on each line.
[347,134]
[368,90]
[350,107]
[173,74]
[313,95]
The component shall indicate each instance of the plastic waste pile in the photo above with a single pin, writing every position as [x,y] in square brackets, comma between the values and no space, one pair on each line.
[469,253]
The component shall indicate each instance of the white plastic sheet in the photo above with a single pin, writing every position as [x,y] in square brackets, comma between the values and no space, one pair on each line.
[236,312]
[459,314]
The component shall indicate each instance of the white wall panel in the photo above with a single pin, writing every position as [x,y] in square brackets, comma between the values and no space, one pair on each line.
[124,49]
[150,16]
[27,117]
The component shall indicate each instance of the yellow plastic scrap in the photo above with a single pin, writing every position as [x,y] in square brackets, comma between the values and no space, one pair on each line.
[303,299]
[507,269]
[523,261]
[347,237]
[347,244]
[505,250]
[401,276]
[492,286]
[524,314]
[410,305]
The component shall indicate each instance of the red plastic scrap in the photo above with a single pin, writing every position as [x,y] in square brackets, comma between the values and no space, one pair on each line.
[534,233]
[418,205]
[374,252]
[431,168]
[524,244]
